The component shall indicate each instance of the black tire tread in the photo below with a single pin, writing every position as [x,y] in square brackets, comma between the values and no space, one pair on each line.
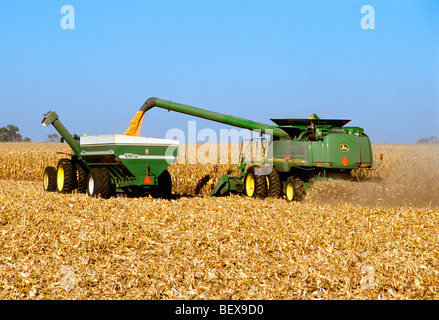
[81,178]
[51,173]
[297,183]
[260,182]
[275,184]
[102,183]
[69,175]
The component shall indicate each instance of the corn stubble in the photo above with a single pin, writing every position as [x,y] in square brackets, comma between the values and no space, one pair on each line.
[370,240]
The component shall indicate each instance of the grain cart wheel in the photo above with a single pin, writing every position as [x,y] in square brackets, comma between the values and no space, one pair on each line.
[255,185]
[65,176]
[99,183]
[49,179]
[81,178]
[274,184]
[293,190]
[164,186]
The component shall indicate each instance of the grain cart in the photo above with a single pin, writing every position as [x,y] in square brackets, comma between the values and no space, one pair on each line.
[301,151]
[102,165]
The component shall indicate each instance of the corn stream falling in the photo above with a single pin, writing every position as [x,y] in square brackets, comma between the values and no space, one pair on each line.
[135,124]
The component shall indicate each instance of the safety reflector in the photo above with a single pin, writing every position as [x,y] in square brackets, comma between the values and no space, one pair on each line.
[147,180]
[344,160]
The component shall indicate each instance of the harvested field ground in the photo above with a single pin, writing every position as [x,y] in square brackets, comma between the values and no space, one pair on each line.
[371,240]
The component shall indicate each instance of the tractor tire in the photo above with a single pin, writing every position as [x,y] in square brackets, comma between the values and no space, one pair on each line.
[65,176]
[293,189]
[164,186]
[99,183]
[255,185]
[274,184]
[49,179]
[81,178]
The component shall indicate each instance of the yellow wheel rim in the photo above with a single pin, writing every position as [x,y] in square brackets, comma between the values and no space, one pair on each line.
[268,182]
[289,192]
[250,185]
[60,178]
[46,181]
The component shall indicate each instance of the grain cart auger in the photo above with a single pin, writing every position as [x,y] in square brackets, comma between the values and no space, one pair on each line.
[102,165]
[301,151]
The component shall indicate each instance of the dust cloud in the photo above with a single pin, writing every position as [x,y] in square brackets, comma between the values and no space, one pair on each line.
[408,176]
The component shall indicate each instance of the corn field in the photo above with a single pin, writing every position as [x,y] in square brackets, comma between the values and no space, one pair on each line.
[376,239]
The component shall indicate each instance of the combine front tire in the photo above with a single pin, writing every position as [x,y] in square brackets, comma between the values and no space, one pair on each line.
[65,176]
[255,185]
[49,179]
[99,183]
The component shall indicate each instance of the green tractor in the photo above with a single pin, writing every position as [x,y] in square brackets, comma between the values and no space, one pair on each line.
[301,151]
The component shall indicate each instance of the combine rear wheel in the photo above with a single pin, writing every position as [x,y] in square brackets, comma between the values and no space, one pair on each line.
[99,183]
[293,190]
[65,176]
[49,179]
[255,185]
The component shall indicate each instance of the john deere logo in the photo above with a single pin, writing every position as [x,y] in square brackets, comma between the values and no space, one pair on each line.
[344,147]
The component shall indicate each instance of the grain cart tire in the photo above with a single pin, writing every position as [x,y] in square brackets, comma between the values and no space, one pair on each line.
[255,185]
[65,176]
[274,184]
[49,179]
[164,186]
[293,190]
[99,183]
[81,178]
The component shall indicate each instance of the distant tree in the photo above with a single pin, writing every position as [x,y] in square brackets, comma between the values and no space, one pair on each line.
[52,137]
[10,133]
[431,139]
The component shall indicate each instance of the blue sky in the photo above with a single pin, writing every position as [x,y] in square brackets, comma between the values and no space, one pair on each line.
[255,59]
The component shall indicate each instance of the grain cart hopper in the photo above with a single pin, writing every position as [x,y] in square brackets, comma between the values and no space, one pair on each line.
[301,151]
[102,165]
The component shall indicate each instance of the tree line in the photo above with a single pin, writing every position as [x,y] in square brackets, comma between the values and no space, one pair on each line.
[431,139]
[10,134]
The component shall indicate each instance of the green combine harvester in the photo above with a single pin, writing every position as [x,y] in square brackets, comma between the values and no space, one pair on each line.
[301,151]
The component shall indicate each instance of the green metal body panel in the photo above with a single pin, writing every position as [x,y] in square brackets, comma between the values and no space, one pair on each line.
[129,162]
[328,153]
[132,157]
[335,147]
